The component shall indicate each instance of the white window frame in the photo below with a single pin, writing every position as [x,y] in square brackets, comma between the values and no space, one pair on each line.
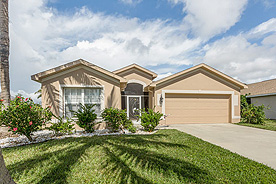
[62,96]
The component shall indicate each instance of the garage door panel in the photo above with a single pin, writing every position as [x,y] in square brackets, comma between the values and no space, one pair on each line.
[182,108]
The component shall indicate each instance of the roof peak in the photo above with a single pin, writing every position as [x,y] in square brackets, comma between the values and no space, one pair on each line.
[135,65]
[37,77]
[207,67]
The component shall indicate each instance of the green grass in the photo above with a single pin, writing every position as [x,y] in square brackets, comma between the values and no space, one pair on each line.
[169,156]
[269,125]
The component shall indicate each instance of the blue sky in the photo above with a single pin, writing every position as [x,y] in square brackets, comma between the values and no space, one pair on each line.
[237,37]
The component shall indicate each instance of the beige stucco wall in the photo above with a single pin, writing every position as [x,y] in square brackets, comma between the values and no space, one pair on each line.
[135,74]
[138,75]
[200,80]
[268,101]
[51,87]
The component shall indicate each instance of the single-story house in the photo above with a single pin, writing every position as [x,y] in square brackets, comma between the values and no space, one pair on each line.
[200,94]
[263,93]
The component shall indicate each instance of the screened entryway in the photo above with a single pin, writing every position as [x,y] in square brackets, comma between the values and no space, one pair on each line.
[133,99]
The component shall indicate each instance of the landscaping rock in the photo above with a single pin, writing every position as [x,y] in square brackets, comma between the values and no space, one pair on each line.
[45,135]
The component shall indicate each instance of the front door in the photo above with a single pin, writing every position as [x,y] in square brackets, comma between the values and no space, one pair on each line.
[133,106]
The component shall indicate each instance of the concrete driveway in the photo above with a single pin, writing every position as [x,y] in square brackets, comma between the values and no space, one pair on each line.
[253,143]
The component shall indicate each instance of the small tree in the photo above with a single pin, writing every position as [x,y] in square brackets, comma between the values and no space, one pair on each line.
[86,117]
[149,119]
[251,113]
[117,119]
[63,126]
[24,117]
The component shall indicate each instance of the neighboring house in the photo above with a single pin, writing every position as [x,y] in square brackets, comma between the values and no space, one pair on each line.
[263,93]
[199,94]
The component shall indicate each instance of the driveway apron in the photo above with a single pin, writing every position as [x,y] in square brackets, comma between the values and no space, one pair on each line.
[253,143]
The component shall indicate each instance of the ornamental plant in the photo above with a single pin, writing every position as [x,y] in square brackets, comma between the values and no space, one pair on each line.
[149,119]
[24,117]
[117,119]
[86,117]
[251,113]
[63,126]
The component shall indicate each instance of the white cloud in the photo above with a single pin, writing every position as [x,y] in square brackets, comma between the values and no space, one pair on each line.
[131,2]
[268,3]
[33,96]
[163,75]
[207,18]
[262,29]
[42,38]
[239,57]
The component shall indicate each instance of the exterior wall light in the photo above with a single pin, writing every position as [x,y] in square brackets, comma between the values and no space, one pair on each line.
[161,100]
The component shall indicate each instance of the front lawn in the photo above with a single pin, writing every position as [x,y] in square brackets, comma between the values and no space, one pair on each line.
[268,125]
[169,156]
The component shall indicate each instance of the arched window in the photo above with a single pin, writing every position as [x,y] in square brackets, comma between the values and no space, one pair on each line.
[134,89]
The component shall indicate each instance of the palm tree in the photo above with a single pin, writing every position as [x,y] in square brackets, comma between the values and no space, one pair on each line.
[4,52]
[5,78]
[5,177]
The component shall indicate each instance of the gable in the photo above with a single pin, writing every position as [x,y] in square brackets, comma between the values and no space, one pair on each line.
[198,79]
[81,76]
[204,68]
[72,66]
[134,67]
[134,74]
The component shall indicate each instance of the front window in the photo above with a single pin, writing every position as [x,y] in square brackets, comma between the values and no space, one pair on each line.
[74,96]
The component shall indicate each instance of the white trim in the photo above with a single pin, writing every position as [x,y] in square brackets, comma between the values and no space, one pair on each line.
[81,86]
[61,95]
[200,92]
[136,95]
[140,101]
[137,81]
[194,72]
[236,100]
[77,68]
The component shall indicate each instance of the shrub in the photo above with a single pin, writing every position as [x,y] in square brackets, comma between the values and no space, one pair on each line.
[149,119]
[132,128]
[24,117]
[251,113]
[62,127]
[117,119]
[86,117]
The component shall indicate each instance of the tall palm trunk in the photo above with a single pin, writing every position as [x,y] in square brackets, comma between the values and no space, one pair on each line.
[5,177]
[4,52]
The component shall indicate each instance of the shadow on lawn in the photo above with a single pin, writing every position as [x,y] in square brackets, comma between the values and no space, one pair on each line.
[125,156]
[66,157]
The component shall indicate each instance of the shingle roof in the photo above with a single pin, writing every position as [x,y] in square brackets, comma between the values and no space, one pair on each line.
[206,67]
[259,88]
[154,75]
[37,77]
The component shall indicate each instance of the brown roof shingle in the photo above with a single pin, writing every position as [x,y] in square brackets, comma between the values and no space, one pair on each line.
[259,88]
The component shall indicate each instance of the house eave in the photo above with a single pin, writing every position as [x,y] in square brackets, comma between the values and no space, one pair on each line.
[39,77]
[207,68]
[261,95]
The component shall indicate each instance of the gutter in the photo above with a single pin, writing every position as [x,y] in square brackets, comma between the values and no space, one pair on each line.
[261,95]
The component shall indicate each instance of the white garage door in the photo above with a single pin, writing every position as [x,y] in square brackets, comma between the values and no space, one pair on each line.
[185,108]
